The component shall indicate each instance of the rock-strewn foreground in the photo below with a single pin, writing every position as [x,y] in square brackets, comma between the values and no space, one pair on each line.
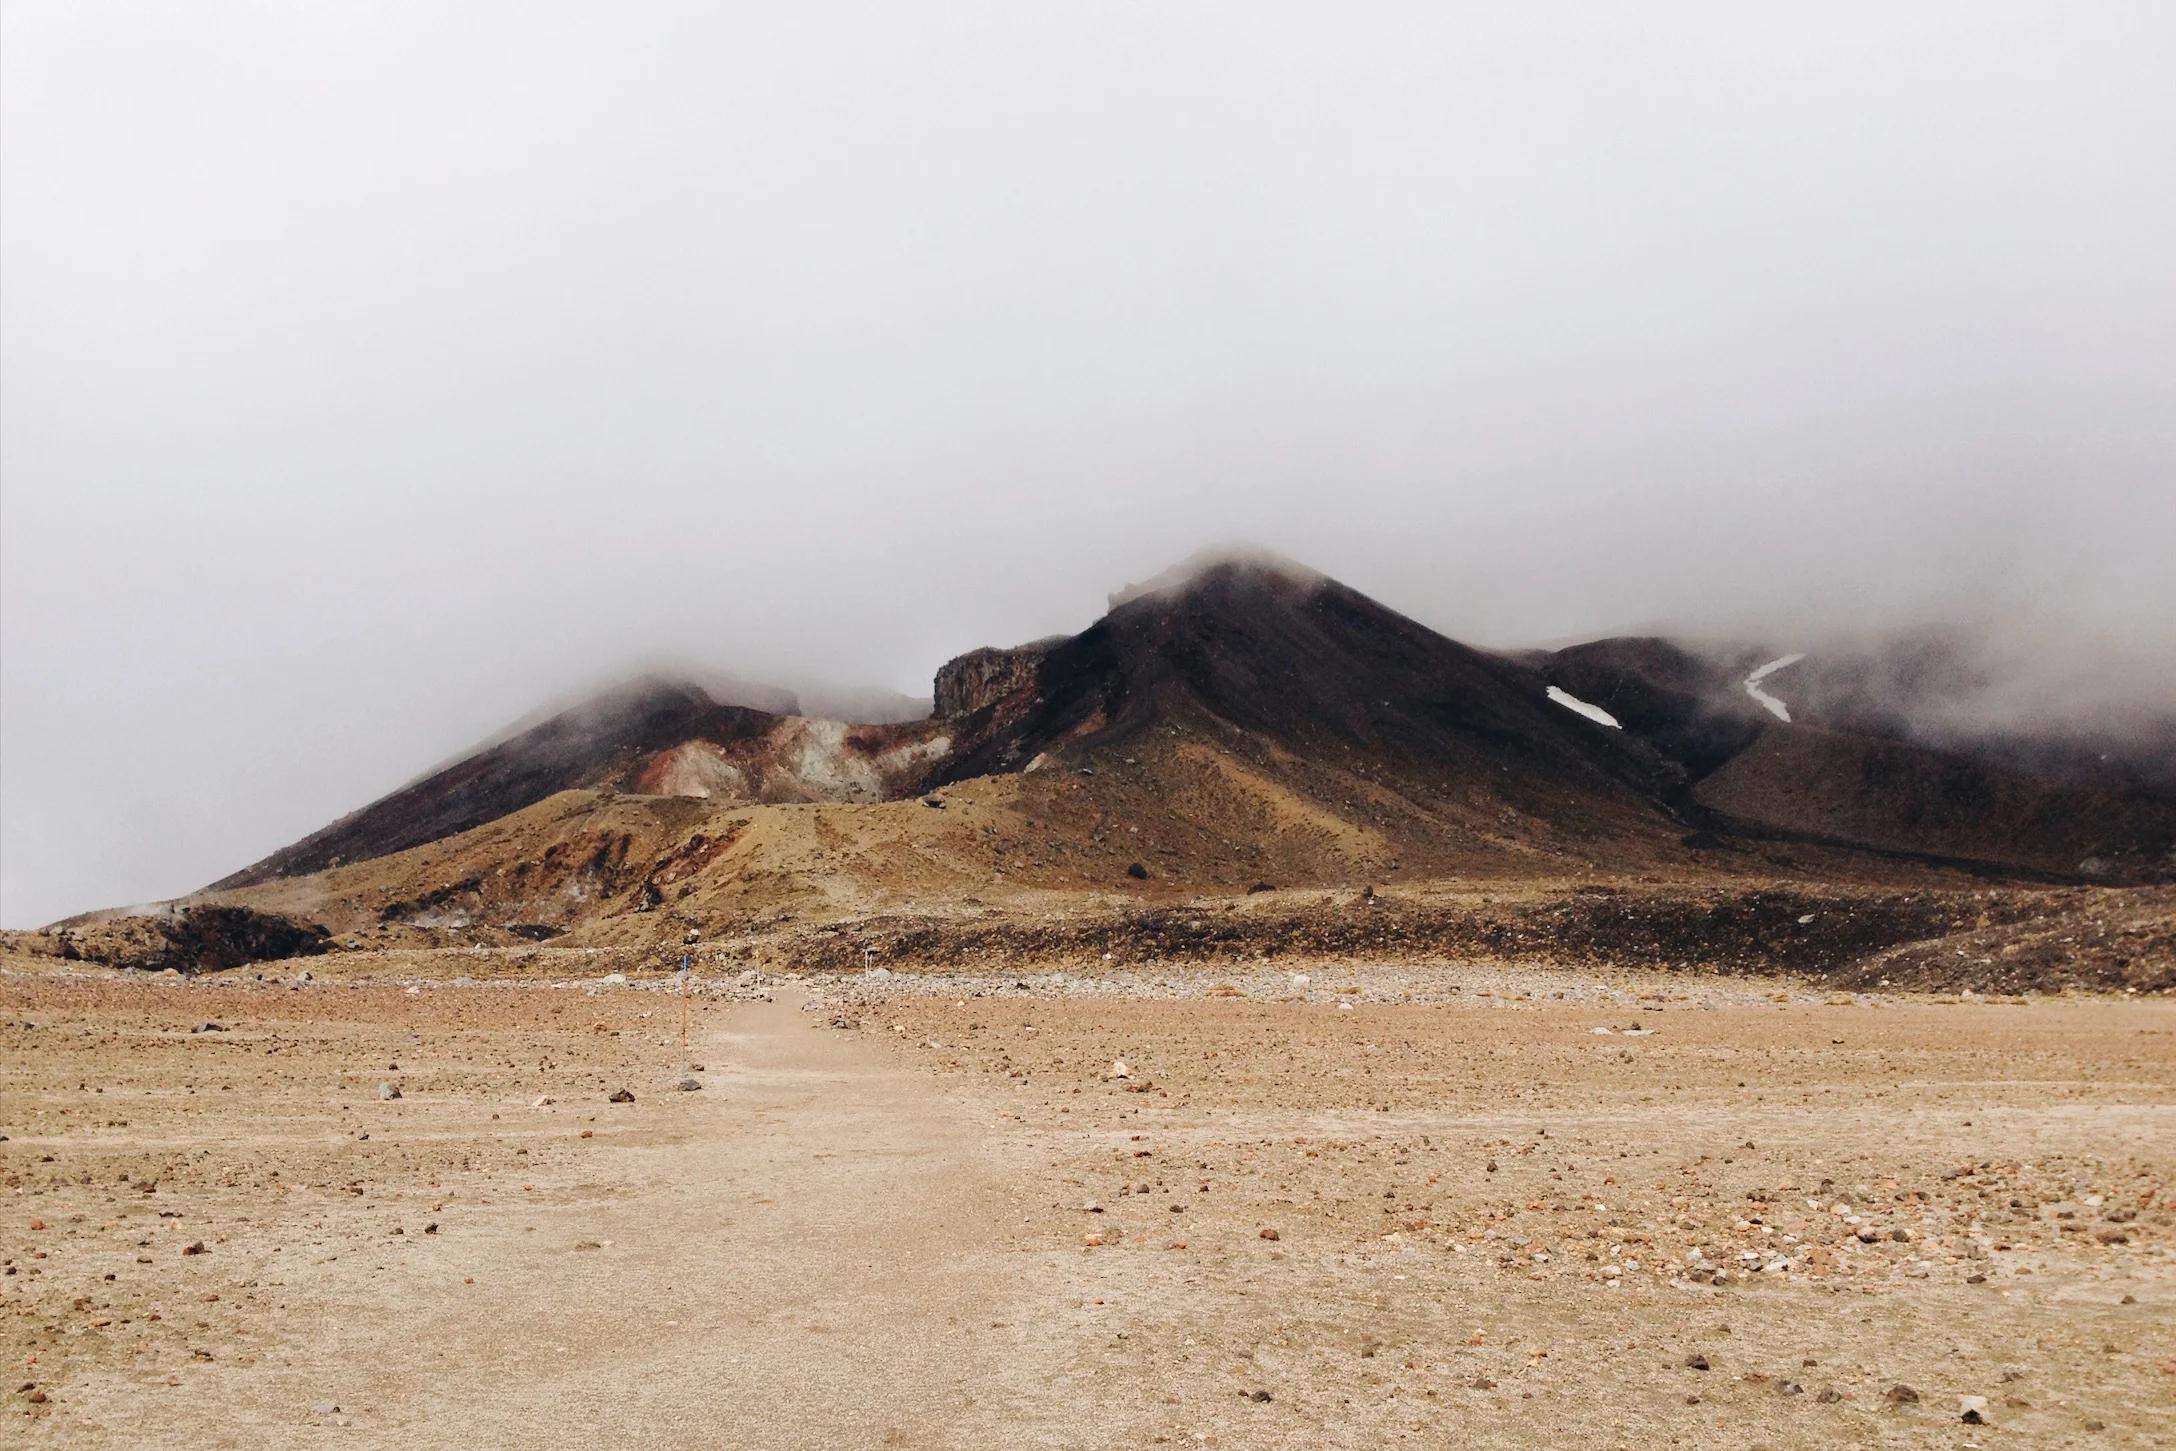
[1457,1205]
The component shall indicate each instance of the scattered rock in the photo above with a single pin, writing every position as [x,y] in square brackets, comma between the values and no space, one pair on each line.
[1972,1410]
[387,1092]
[689,1085]
[1268,1233]
[1901,1394]
[621,1095]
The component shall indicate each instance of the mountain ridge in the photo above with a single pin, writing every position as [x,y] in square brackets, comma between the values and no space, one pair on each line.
[1303,685]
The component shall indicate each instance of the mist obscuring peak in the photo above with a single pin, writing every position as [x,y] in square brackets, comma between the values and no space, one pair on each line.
[1231,565]
[822,345]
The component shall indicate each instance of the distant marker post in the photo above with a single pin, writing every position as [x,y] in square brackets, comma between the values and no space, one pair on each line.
[687,971]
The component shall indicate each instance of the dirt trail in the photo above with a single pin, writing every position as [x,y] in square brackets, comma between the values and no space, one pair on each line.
[1518,1216]
[818,1257]
[819,1266]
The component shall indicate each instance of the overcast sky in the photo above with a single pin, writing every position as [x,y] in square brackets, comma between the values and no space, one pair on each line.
[374,371]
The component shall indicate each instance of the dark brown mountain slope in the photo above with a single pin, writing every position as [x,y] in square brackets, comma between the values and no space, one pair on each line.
[1271,657]
[1880,750]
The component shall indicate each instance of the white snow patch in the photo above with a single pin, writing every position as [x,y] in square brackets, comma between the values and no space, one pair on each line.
[1774,706]
[1592,712]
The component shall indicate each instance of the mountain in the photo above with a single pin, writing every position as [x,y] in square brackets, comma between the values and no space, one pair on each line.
[652,736]
[1335,710]
[1239,728]
[1888,745]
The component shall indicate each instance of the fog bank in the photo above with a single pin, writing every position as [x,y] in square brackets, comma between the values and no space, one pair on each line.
[370,375]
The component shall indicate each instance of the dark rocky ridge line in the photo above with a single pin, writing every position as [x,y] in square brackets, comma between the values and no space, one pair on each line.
[2115,940]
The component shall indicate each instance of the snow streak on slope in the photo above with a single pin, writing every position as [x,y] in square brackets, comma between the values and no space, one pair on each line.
[1592,712]
[1775,707]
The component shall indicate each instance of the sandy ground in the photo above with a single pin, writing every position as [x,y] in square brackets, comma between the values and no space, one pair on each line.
[1380,1206]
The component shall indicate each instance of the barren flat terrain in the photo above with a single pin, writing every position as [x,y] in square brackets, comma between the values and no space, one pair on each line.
[1327,1205]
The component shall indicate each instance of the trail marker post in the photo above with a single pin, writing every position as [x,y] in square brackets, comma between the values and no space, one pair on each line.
[687,971]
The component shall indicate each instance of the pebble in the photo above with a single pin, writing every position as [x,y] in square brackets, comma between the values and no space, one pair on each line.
[387,1092]
[621,1095]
